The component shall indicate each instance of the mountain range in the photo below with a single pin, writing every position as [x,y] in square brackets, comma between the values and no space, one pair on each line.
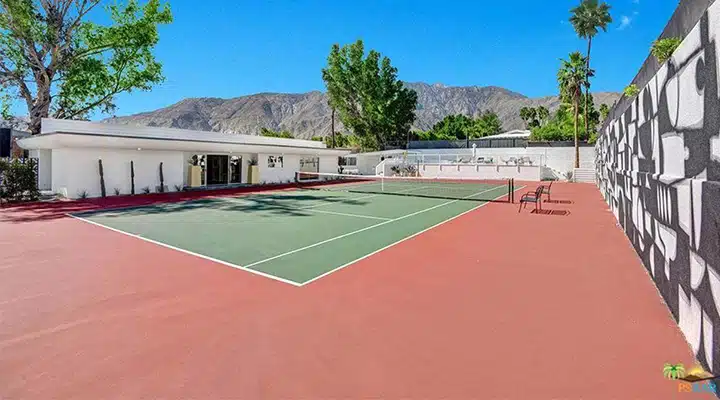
[308,114]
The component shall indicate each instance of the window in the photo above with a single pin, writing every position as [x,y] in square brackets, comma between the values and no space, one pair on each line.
[347,161]
[275,161]
[309,164]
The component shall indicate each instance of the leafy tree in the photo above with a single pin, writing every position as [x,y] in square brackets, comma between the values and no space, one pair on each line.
[342,141]
[488,123]
[279,134]
[62,65]
[571,78]
[631,90]
[586,19]
[559,127]
[542,115]
[529,116]
[370,100]
[663,49]
[453,127]
[604,111]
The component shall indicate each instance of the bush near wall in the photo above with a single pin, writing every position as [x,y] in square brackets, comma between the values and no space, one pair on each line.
[18,181]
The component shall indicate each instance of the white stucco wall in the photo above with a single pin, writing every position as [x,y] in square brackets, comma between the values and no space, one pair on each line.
[279,173]
[328,164]
[558,160]
[291,164]
[44,169]
[76,170]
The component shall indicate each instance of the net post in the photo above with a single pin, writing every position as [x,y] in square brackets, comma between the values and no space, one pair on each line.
[511,186]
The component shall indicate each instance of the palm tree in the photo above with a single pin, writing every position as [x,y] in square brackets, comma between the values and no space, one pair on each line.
[586,19]
[571,78]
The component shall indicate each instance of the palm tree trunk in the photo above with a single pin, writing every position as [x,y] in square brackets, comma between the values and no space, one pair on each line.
[577,148]
[587,88]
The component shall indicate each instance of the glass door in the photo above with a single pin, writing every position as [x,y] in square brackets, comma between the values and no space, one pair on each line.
[217,169]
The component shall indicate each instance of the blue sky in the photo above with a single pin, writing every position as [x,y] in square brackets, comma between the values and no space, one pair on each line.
[226,48]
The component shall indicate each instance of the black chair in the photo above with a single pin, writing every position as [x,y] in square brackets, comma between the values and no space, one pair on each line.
[546,189]
[532,197]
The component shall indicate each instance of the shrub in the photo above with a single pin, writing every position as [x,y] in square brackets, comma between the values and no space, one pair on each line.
[18,181]
[117,192]
[663,49]
[631,90]
[178,188]
[83,194]
[146,190]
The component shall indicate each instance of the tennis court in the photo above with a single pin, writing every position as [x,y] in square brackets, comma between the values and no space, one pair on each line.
[298,236]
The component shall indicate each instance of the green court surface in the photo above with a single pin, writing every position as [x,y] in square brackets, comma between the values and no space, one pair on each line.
[294,236]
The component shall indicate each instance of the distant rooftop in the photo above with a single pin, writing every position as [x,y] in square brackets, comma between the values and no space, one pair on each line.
[513,134]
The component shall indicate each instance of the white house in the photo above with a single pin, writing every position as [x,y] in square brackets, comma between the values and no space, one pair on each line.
[69,154]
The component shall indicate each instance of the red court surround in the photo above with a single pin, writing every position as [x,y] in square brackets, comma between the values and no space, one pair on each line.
[495,304]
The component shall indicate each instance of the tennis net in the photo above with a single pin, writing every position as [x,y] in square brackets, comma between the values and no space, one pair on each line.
[440,188]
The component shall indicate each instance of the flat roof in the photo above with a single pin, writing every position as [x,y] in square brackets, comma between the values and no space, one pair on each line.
[66,133]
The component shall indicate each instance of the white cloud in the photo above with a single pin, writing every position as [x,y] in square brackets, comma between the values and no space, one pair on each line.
[624,22]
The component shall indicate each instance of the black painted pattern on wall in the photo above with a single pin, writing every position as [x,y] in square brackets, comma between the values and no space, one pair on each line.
[658,167]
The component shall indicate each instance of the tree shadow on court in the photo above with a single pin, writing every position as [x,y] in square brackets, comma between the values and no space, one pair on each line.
[261,205]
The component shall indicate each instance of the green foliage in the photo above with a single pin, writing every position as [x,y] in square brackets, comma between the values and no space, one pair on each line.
[572,77]
[317,139]
[453,127]
[18,181]
[561,127]
[278,134]
[460,127]
[368,97]
[342,141]
[589,16]
[534,117]
[604,111]
[61,64]
[663,49]
[488,123]
[529,116]
[542,114]
[631,90]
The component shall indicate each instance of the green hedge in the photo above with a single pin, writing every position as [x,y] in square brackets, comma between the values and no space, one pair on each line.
[18,181]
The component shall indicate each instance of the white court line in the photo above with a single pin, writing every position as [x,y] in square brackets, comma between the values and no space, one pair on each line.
[349,215]
[403,239]
[192,253]
[332,239]
[290,282]
[356,198]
